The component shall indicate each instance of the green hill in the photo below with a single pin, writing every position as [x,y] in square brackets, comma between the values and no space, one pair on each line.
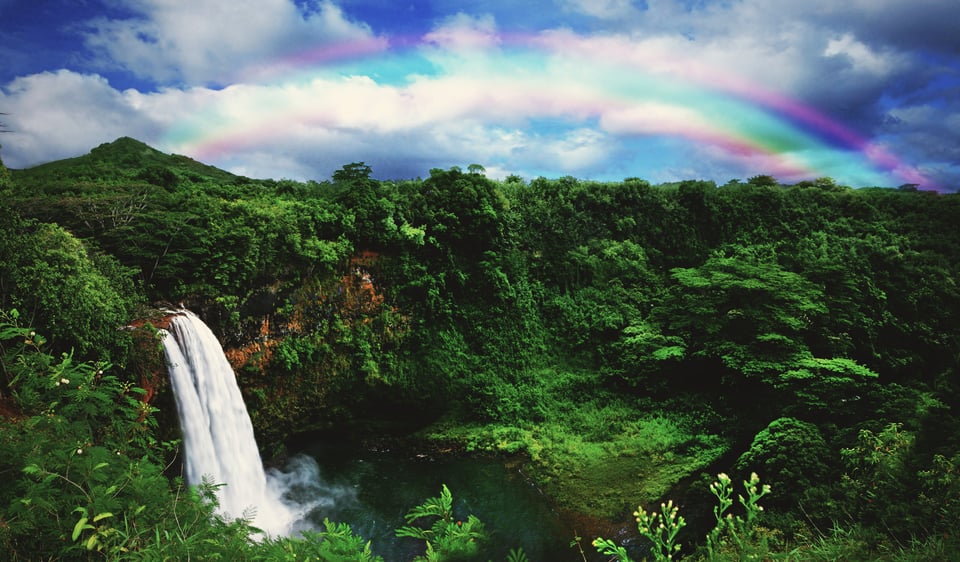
[123,161]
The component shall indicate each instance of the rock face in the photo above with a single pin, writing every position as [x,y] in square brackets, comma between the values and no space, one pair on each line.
[302,354]
[148,362]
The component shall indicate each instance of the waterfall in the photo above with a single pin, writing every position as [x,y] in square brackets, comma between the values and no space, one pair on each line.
[217,432]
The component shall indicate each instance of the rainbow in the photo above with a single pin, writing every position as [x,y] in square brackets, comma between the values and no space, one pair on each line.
[388,86]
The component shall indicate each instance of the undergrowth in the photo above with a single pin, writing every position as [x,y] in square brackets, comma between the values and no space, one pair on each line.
[589,455]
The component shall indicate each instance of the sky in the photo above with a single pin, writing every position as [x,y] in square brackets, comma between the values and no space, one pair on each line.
[866,92]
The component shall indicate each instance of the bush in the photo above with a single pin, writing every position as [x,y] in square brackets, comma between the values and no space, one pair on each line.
[791,454]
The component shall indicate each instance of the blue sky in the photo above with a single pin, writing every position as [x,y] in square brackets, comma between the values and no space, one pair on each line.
[864,91]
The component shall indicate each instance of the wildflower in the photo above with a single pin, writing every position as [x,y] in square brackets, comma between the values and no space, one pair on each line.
[79,451]
[64,381]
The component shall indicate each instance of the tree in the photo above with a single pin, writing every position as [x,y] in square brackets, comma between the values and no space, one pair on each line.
[352,172]
[78,297]
[763,180]
[745,311]
[4,172]
[5,182]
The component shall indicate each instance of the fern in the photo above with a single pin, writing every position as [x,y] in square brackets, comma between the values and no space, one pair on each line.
[446,536]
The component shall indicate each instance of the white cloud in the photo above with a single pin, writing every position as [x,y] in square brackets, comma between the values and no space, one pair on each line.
[62,114]
[602,9]
[577,150]
[212,41]
[651,118]
[861,57]
[464,31]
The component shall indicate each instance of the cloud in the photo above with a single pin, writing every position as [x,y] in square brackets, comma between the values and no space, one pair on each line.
[862,58]
[602,9]
[62,114]
[867,48]
[208,41]
[463,30]
[590,104]
[928,133]
[929,25]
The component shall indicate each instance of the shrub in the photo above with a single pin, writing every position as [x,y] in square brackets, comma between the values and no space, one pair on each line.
[792,455]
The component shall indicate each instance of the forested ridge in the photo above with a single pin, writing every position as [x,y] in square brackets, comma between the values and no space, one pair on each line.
[630,340]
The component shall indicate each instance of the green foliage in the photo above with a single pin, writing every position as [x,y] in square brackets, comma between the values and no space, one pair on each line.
[747,313]
[446,538]
[541,318]
[86,446]
[792,454]
[733,537]
[825,384]
[661,529]
[56,281]
[886,486]
[336,541]
[122,159]
[580,452]
[87,481]
[5,178]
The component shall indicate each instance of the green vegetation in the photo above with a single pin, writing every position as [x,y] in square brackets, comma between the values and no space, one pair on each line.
[626,339]
[84,480]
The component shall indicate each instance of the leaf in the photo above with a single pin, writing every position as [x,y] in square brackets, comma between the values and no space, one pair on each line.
[101,516]
[414,532]
[78,528]
[92,542]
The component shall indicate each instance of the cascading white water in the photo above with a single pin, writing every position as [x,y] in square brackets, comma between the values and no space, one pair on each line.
[217,432]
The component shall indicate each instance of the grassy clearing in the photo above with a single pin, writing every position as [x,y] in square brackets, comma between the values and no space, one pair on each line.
[602,455]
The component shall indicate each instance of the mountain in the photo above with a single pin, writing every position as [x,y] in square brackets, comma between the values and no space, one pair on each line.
[124,160]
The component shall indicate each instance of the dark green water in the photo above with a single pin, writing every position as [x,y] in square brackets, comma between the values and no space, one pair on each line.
[372,490]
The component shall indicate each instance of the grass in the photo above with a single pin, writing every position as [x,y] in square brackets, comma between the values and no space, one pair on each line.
[601,455]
